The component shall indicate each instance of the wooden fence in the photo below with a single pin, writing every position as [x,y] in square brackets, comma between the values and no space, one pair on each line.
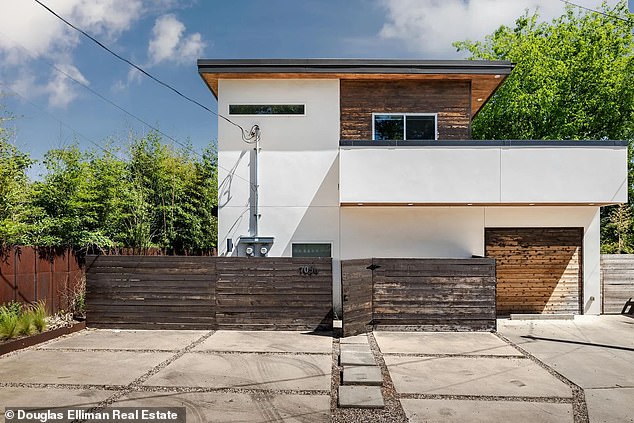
[150,292]
[617,281]
[32,274]
[428,294]
[209,292]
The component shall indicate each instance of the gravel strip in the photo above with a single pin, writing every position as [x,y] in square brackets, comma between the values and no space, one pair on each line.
[554,400]
[61,386]
[134,385]
[579,406]
[393,411]
[455,355]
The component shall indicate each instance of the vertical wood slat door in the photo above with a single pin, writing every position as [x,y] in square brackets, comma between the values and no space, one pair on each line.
[356,283]
[538,270]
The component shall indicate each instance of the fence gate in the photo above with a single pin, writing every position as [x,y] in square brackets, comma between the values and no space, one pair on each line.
[419,294]
[356,282]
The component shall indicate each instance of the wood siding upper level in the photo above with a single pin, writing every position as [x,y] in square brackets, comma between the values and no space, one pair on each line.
[451,99]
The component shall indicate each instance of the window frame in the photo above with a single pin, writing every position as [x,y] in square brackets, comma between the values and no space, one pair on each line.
[329,243]
[266,104]
[435,115]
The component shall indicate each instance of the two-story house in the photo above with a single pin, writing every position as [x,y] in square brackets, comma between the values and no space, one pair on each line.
[373,158]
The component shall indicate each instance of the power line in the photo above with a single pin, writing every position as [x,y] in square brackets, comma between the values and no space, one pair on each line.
[112,103]
[247,136]
[590,10]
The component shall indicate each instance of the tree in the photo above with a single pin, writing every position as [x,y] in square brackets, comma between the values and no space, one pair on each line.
[573,77]
[573,80]
[15,195]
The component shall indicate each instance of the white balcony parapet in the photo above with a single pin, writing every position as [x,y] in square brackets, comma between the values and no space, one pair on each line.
[483,172]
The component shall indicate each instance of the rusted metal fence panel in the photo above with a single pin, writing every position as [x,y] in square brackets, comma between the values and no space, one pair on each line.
[32,274]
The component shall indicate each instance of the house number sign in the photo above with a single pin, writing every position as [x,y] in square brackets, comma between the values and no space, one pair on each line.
[308,270]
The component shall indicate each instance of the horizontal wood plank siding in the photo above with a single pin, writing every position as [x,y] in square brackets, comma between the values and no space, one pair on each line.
[617,280]
[450,99]
[434,294]
[272,293]
[539,270]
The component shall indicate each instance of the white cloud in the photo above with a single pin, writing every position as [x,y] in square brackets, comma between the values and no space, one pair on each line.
[168,43]
[62,90]
[428,27]
[28,32]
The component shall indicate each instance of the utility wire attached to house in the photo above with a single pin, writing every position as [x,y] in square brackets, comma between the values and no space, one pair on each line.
[250,136]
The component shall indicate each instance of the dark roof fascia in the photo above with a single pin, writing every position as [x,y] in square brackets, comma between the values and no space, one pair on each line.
[355,66]
[484,143]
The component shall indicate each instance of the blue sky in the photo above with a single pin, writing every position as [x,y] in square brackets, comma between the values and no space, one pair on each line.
[167,36]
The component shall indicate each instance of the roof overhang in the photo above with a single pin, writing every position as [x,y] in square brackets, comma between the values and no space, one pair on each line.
[485,76]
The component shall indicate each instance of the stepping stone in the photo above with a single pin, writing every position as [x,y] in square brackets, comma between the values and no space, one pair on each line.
[357,339]
[354,358]
[362,375]
[356,348]
[360,397]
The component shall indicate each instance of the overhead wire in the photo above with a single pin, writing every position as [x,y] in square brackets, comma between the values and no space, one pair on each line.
[112,103]
[250,136]
[592,10]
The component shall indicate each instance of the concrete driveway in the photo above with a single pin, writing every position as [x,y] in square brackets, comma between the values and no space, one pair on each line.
[594,352]
[532,371]
[218,376]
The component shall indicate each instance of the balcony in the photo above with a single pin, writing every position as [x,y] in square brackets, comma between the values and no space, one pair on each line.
[482,172]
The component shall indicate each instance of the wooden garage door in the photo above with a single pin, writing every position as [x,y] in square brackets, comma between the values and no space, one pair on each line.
[538,270]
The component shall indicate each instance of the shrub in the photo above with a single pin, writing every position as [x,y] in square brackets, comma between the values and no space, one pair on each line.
[14,308]
[8,325]
[26,324]
[39,316]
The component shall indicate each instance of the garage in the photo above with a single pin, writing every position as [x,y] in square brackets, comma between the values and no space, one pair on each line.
[538,270]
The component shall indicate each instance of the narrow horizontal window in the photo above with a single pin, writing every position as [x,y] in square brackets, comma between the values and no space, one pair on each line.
[266,109]
[404,126]
[312,250]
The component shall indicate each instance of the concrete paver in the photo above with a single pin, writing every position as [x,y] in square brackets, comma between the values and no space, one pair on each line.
[360,397]
[460,411]
[39,397]
[234,407]
[593,352]
[462,343]
[266,341]
[357,339]
[362,375]
[127,339]
[570,346]
[247,371]
[610,405]
[473,376]
[355,358]
[361,348]
[78,367]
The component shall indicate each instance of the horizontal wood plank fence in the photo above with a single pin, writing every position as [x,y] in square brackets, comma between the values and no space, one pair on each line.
[429,294]
[617,281]
[209,292]
[150,292]
[32,274]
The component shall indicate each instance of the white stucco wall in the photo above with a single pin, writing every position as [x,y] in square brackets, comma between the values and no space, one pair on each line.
[298,166]
[458,232]
[484,174]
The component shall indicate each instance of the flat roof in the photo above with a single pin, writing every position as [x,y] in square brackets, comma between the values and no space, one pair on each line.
[355,66]
[485,76]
